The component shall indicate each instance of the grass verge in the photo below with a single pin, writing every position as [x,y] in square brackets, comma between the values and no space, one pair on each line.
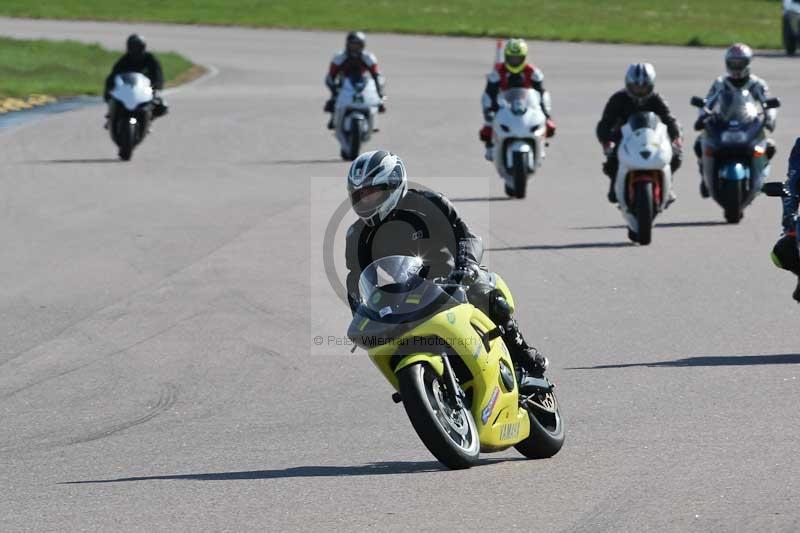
[679,22]
[65,68]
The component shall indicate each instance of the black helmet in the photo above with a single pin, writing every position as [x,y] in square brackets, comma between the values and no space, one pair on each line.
[136,45]
[376,182]
[355,42]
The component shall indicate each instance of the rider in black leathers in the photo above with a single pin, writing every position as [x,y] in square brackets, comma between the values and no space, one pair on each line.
[395,220]
[638,96]
[138,59]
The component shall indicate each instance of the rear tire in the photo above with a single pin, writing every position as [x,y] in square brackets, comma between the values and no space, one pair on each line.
[520,175]
[789,38]
[644,208]
[732,195]
[547,428]
[450,435]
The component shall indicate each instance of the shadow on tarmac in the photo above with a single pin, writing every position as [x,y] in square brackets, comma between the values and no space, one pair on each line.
[694,224]
[574,246]
[77,161]
[371,469]
[482,199]
[719,360]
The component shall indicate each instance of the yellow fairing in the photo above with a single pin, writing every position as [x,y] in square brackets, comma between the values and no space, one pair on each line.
[500,421]
[500,285]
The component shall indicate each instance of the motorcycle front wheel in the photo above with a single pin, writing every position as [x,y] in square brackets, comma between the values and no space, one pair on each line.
[547,427]
[450,434]
[644,209]
[732,196]
[520,175]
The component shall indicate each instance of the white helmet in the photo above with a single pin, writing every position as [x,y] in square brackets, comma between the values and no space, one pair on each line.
[376,183]
[640,80]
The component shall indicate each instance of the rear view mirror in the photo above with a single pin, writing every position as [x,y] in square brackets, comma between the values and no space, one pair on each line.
[774,188]
[772,103]
[698,102]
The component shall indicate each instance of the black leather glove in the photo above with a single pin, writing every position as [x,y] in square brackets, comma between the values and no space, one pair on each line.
[464,274]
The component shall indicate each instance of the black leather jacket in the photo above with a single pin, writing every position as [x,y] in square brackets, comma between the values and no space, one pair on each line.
[424,224]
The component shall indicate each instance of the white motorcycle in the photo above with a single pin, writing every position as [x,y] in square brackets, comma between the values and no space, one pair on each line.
[518,133]
[132,103]
[357,106]
[644,178]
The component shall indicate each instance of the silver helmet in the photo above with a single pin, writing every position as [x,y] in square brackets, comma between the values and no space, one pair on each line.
[376,183]
[640,80]
[737,61]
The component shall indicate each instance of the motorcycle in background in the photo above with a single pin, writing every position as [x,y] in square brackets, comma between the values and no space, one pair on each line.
[518,131]
[735,154]
[356,109]
[644,177]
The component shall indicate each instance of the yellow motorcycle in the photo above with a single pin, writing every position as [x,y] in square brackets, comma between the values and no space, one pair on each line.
[450,367]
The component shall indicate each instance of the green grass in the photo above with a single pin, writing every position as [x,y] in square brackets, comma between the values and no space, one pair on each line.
[695,22]
[64,68]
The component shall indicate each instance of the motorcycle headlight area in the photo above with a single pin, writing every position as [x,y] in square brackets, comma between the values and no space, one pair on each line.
[733,136]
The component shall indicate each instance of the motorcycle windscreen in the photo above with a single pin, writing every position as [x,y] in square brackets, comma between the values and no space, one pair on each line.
[396,298]
[737,106]
[642,120]
[520,99]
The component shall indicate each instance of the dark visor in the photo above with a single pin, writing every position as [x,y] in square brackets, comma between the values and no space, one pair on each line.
[367,200]
[515,61]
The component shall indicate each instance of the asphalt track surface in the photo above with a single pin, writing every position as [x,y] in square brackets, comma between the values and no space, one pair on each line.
[157,363]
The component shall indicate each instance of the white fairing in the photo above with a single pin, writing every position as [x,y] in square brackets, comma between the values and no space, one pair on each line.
[132,89]
[356,104]
[520,121]
[791,6]
[643,149]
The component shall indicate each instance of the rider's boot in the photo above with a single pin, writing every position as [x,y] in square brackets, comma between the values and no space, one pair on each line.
[489,154]
[523,356]
[612,191]
[771,149]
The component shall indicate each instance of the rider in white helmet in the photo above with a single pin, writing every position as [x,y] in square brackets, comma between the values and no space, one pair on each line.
[737,64]
[397,220]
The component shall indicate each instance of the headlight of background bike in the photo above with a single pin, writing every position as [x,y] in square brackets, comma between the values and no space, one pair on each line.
[733,136]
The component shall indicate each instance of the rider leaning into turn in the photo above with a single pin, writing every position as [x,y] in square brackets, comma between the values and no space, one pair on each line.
[637,96]
[354,59]
[785,254]
[397,220]
[737,64]
[138,59]
[513,73]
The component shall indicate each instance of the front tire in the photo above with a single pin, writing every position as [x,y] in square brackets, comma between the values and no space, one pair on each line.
[789,38]
[127,136]
[355,139]
[520,174]
[449,434]
[732,194]
[547,427]
[644,209]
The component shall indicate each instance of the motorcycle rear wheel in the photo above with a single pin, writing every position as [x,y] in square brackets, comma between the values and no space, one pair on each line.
[449,434]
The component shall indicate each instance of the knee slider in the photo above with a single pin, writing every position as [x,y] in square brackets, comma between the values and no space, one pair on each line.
[785,254]
[501,310]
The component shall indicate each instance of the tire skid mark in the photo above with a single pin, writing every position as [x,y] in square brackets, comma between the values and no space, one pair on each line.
[104,356]
[167,398]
